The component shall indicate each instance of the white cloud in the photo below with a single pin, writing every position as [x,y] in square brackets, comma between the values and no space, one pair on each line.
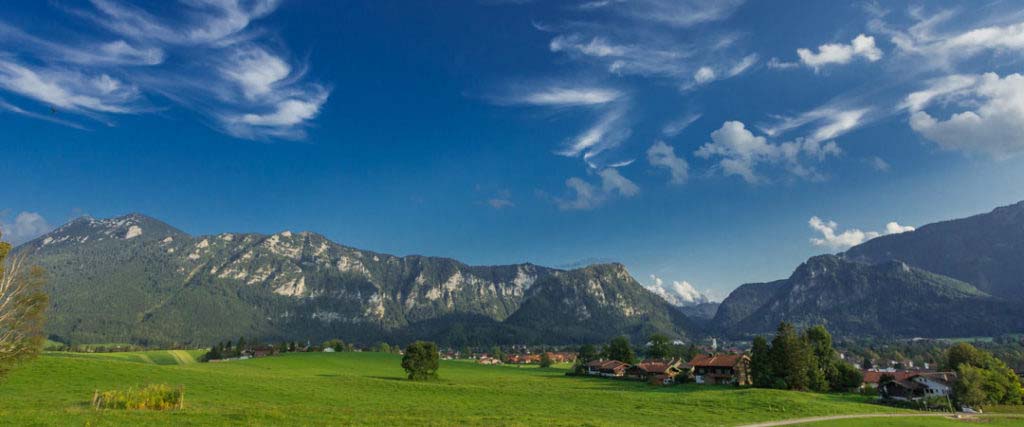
[674,127]
[501,200]
[26,226]
[738,152]
[676,293]
[115,52]
[778,64]
[596,46]
[587,196]
[895,228]
[612,182]
[255,70]
[738,149]
[862,46]
[68,90]
[743,65]
[209,21]
[838,123]
[848,238]
[566,97]
[931,48]
[880,164]
[663,155]
[991,120]
[284,119]
[681,13]
[703,75]
[659,50]
[220,67]
[608,132]
[832,122]
[497,203]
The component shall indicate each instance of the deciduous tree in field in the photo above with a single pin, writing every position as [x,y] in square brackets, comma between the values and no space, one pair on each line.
[586,354]
[619,349]
[545,360]
[982,378]
[421,360]
[659,347]
[22,308]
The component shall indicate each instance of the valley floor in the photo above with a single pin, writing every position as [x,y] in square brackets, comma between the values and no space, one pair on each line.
[369,388]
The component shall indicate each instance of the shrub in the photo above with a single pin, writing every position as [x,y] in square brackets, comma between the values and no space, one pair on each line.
[157,397]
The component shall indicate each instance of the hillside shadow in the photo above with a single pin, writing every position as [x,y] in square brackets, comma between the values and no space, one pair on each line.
[389,378]
[641,386]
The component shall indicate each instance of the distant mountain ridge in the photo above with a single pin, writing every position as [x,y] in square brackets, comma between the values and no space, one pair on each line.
[961,277]
[136,279]
[985,250]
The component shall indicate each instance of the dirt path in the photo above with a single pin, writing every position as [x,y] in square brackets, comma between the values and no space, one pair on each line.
[840,417]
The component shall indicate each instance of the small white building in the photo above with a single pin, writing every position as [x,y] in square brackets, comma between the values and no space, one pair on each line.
[328,349]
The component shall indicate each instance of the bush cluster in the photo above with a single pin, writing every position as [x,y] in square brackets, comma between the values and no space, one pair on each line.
[157,397]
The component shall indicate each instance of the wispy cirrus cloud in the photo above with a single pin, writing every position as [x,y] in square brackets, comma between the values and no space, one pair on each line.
[562,96]
[207,57]
[604,38]
[606,133]
[69,90]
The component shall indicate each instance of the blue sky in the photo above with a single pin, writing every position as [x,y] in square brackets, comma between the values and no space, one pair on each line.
[703,144]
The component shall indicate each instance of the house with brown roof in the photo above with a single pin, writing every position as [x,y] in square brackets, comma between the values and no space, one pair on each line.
[607,368]
[721,369]
[919,386]
[487,360]
[561,356]
[656,370]
[524,358]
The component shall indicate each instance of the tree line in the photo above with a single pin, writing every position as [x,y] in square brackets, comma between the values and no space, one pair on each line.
[806,361]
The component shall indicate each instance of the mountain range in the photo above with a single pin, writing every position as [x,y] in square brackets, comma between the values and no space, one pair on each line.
[136,279]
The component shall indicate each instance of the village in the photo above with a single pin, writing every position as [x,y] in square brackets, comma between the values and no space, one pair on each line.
[895,382]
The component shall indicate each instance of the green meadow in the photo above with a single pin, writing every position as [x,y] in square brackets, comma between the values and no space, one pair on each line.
[370,388]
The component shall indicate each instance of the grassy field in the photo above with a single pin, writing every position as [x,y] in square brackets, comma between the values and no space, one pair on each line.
[369,388]
[980,421]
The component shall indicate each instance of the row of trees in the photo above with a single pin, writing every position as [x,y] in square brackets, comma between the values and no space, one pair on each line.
[658,347]
[805,361]
[227,350]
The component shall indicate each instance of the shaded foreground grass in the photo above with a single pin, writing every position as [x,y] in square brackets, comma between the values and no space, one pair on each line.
[369,388]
